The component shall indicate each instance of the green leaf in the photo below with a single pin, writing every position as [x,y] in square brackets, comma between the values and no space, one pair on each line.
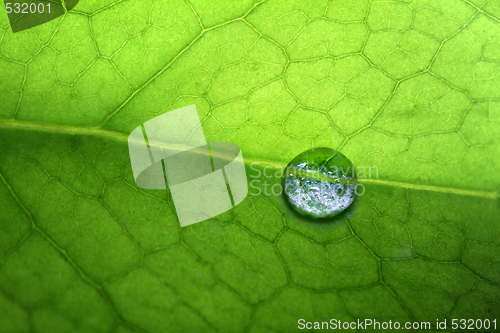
[408,90]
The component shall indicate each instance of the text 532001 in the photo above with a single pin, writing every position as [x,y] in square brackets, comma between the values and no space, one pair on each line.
[27,8]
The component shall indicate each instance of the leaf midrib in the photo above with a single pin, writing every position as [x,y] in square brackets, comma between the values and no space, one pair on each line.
[107,134]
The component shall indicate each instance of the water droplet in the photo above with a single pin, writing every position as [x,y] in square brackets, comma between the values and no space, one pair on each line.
[320,183]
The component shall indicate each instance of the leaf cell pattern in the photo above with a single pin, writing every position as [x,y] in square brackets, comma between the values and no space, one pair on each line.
[410,87]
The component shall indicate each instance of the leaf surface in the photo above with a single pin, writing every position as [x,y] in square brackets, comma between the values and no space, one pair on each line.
[409,91]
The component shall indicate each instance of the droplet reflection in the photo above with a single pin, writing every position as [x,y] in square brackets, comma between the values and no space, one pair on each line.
[320,183]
